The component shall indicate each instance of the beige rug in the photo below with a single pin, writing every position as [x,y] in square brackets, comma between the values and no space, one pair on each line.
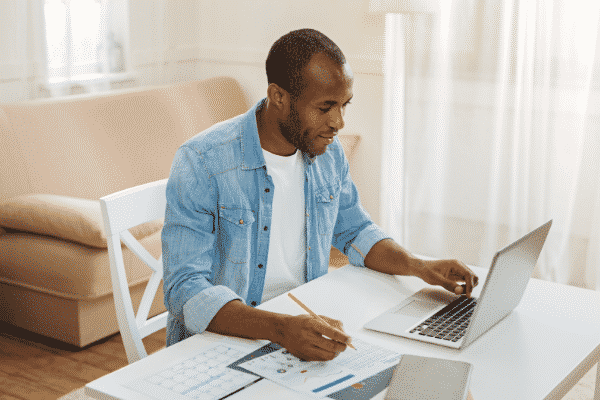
[584,390]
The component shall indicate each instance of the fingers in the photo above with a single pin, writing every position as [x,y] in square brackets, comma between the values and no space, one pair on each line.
[304,338]
[468,285]
[450,274]
[456,287]
[471,280]
[315,347]
[334,322]
[328,345]
[333,329]
[451,286]
[316,353]
[462,273]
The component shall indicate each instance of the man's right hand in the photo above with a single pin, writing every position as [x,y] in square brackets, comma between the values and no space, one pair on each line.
[302,336]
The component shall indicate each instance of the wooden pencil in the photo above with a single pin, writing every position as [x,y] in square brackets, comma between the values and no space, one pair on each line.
[308,310]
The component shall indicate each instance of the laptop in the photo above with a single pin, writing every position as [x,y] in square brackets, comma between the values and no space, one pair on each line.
[440,317]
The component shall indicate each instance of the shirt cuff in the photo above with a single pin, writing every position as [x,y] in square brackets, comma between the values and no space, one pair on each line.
[202,308]
[361,246]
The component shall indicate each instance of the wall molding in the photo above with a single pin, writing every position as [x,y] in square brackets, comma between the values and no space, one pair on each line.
[155,56]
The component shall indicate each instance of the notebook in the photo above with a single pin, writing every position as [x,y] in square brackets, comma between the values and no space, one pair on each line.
[440,317]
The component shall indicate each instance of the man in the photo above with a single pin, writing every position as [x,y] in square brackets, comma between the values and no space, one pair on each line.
[255,203]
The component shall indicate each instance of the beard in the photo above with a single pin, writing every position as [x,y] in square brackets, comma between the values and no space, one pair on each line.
[291,130]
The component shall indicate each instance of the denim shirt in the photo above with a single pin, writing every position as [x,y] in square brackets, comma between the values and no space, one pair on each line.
[215,238]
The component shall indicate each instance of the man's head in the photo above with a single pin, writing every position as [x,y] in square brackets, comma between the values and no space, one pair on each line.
[310,84]
[291,53]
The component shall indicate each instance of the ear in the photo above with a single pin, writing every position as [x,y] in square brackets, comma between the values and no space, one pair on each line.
[279,98]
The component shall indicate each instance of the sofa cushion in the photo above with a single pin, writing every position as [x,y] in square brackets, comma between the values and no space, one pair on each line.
[69,218]
[92,146]
[66,269]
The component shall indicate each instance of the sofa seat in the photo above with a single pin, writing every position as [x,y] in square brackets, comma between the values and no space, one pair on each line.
[67,269]
[63,290]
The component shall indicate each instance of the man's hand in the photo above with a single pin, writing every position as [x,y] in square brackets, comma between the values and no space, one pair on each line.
[302,336]
[389,257]
[452,275]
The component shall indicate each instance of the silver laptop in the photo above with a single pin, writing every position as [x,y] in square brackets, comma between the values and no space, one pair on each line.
[438,316]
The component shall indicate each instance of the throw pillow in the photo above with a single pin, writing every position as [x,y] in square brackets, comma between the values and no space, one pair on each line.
[70,218]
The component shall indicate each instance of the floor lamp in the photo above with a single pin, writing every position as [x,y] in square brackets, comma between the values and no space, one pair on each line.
[393,187]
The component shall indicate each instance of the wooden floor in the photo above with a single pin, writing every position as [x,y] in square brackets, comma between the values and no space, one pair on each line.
[33,367]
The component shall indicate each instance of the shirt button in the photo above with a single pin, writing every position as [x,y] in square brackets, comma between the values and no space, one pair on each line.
[307,214]
[309,247]
[265,228]
[331,197]
[260,266]
[253,303]
[267,190]
[241,222]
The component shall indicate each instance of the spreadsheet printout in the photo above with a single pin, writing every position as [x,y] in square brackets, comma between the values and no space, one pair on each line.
[322,378]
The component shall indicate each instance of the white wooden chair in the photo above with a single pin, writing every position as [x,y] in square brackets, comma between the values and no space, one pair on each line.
[121,211]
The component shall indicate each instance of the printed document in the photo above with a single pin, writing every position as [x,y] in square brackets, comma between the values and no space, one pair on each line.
[320,379]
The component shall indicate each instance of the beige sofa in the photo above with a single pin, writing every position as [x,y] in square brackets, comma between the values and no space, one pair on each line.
[57,158]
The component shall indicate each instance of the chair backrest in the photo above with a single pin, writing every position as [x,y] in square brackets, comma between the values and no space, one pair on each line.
[121,211]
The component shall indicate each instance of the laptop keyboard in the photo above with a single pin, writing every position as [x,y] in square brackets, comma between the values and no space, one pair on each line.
[450,322]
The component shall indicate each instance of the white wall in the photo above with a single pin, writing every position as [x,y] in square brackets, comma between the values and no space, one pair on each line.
[210,38]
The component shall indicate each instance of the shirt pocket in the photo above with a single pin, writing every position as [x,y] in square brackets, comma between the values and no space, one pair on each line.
[235,234]
[327,208]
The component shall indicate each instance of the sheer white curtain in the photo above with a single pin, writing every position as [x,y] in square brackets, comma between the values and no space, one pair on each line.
[501,134]
[165,41]
[60,47]
[22,50]
[53,48]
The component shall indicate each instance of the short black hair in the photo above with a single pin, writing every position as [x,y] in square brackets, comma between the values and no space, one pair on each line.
[291,53]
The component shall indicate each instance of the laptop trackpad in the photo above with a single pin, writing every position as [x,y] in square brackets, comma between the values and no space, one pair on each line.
[417,308]
[396,321]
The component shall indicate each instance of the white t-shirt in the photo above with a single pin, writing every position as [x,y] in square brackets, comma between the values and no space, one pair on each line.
[286,262]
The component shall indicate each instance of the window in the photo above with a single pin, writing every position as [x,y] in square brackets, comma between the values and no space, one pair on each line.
[80,43]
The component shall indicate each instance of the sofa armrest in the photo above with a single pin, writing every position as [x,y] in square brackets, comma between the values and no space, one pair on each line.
[349,143]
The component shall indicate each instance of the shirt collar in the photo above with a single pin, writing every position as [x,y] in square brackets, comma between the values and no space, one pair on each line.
[251,151]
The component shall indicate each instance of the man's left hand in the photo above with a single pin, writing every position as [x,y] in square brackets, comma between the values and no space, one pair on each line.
[453,275]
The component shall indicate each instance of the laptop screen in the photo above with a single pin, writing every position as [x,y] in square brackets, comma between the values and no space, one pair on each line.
[506,282]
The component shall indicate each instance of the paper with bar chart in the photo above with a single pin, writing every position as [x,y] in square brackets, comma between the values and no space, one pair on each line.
[320,379]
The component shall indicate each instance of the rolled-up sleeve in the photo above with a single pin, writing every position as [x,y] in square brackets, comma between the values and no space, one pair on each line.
[355,233]
[188,238]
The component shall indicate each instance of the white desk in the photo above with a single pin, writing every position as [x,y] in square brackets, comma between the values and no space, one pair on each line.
[538,352]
